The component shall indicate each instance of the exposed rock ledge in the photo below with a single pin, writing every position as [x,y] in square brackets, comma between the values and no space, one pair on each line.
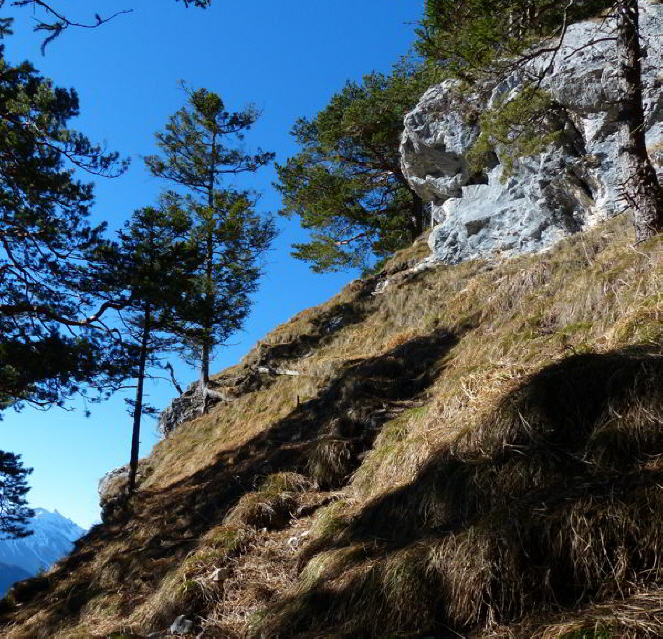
[570,187]
[262,366]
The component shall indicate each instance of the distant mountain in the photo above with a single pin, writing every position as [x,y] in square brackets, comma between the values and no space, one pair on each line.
[9,575]
[53,537]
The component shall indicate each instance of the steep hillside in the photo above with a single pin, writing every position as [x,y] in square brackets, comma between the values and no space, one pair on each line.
[469,450]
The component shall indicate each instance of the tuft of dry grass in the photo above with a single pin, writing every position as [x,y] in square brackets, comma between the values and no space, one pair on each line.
[273,505]
[331,462]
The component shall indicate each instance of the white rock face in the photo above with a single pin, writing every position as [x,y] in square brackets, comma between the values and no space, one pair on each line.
[571,186]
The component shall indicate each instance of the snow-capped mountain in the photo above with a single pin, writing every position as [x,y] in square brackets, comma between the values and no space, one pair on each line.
[9,575]
[53,537]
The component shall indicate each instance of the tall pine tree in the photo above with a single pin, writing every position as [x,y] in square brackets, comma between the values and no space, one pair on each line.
[200,146]
[152,267]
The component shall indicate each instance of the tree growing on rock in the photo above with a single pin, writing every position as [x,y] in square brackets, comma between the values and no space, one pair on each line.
[200,146]
[346,183]
[482,43]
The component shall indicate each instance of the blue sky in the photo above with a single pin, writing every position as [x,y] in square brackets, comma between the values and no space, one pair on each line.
[288,58]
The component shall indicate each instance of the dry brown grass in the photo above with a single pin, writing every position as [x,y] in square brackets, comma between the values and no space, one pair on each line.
[492,431]
[546,504]
[273,505]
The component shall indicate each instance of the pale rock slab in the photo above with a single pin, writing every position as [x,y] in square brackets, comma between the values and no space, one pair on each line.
[570,187]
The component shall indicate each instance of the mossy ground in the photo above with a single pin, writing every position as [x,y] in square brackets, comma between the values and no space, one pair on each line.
[477,450]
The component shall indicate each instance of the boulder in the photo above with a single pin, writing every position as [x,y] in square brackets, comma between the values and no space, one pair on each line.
[181,626]
[113,490]
[113,487]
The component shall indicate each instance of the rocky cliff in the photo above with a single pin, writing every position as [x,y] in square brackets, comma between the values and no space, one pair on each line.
[570,186]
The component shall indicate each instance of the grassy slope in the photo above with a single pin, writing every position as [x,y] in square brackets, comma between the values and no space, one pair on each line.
[476,450]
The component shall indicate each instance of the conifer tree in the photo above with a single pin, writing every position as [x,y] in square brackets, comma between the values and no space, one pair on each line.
[232,238]
[152,266]
[200,146]
[346,183]
[483,42]
[54,340]
[14,511]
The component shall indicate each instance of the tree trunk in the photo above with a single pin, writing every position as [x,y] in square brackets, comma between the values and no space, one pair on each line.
[641,187]
[207,320]
[417,217]
[209,273]
[138,408]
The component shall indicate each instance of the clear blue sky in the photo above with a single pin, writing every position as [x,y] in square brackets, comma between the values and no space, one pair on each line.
[288,57]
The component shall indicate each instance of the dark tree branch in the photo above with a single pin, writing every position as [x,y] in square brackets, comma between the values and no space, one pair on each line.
[41,310]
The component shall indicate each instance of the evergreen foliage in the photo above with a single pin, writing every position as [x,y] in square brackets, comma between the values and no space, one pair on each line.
[153,266]
[346,183]
[201,145]
[51,320]
[14,511]
[518,127]
[476,39]
[231,237]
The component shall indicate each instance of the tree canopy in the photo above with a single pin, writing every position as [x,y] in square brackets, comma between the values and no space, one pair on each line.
[54,339]
[346,183]
[14,511]
[200,146]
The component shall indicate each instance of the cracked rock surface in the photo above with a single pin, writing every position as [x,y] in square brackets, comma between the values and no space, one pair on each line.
[569,187]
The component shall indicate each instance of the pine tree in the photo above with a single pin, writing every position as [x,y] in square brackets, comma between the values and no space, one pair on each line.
[152,266]
[482,42]
[14,511]
[54,340]
[346,183]
[232,238]
[201,145]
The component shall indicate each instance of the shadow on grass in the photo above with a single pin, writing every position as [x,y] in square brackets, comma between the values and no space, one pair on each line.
[554,500]
[322,438]
[324,325]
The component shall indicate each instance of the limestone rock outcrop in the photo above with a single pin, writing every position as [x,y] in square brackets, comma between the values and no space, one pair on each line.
[188,406]
[570,186]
